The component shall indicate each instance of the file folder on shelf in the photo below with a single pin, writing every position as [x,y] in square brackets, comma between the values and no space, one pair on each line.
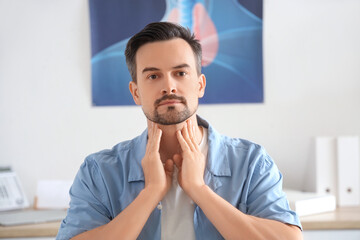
[348,171]
[325,167]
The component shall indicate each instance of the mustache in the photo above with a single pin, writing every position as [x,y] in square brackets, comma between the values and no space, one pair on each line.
[170,97]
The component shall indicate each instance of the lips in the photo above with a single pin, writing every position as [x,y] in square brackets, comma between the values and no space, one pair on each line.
[169,100]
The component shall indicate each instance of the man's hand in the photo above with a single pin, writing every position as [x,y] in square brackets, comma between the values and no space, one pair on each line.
[191,163]
[157,176]
[129,223]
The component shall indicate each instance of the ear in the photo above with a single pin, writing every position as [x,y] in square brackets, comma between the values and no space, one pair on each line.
[202,85]
[134,92]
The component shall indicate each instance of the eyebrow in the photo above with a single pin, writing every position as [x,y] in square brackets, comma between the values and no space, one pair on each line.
[149,69]
[184,65]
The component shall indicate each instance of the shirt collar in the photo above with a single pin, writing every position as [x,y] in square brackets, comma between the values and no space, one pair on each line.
[217,161]
[137,153]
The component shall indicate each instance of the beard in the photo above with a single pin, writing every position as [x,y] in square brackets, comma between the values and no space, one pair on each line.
[171,116]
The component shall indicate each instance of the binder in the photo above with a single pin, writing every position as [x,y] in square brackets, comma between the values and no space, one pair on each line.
[326,173]
[348,171]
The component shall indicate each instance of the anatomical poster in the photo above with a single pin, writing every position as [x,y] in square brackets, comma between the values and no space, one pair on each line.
[230,32]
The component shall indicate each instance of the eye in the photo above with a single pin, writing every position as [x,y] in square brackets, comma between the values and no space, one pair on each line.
[181,74]
[152,76]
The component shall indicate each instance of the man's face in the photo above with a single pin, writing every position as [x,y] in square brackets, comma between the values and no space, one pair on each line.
[168,86]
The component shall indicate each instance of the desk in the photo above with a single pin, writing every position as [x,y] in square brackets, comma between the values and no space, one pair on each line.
[32,230]
[343,223]
[341,218]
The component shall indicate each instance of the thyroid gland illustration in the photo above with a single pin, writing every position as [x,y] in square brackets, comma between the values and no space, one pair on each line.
[193,15]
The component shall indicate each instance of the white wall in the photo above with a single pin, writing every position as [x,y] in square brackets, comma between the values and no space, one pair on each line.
[48,126]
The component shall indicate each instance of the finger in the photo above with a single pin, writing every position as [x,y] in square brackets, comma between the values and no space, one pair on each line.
[177,160]
[151,129]
[169,167]
[191,130]
[150,136]
[183,144]
[154,134]
[187,137]
[156,138]
[193,136]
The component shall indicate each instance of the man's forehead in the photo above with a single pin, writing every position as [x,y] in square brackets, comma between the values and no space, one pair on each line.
[172,53]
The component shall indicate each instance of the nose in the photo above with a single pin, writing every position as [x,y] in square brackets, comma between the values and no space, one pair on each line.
[169,86]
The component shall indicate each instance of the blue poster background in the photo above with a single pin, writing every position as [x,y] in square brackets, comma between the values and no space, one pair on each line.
[230,32]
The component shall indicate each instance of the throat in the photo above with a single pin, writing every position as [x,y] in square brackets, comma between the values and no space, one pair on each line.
[169,146]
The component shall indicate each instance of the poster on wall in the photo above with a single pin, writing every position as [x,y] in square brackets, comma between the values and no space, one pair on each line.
[230,32]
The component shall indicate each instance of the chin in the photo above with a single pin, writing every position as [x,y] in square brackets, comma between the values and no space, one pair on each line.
[172,116]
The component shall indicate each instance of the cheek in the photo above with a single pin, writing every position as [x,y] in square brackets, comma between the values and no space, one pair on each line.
[193,93]
[148,100]
[192,98]
[147,107]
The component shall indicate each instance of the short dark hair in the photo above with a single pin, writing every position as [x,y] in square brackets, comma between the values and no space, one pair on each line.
[160,31]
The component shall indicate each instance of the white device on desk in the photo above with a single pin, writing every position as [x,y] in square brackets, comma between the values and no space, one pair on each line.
[13,200]
[12,195]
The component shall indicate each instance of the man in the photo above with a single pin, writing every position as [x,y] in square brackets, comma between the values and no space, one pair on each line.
[180,179]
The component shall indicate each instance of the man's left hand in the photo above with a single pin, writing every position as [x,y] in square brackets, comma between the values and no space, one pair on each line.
[191,163]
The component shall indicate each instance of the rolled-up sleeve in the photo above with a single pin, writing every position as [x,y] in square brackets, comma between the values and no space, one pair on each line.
[265,197]
[88,202]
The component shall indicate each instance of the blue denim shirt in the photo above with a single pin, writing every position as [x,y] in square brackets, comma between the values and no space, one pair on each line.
[239,171]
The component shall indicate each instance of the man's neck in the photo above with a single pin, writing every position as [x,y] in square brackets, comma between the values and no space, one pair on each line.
[169,144]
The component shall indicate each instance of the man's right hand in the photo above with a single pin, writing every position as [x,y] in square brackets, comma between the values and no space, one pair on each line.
[158,176]
[129,223]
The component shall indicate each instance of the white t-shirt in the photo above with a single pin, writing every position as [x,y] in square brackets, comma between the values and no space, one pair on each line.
[177,217]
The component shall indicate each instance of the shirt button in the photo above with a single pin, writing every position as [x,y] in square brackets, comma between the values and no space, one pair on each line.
[159,206]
